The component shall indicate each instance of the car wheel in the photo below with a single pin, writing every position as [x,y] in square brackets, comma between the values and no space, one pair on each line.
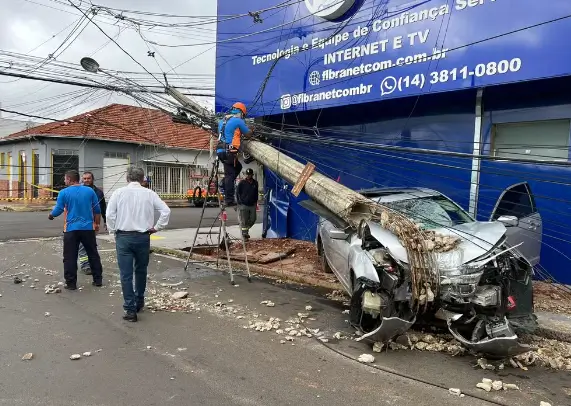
[322,260]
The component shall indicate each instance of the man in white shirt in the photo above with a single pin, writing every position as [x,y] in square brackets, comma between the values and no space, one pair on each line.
[130,217]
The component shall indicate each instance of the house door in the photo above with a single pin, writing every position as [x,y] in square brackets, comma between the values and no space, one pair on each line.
[114,174]
[516,206]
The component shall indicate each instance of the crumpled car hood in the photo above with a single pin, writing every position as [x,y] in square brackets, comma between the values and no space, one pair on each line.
[477,239]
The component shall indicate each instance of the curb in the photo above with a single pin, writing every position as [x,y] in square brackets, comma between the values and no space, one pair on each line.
[23,209]
[254,268]
[545,329]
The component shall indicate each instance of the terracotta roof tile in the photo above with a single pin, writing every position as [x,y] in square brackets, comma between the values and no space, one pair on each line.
[119,122]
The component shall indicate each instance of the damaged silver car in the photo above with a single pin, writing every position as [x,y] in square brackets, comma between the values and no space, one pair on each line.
[485,291]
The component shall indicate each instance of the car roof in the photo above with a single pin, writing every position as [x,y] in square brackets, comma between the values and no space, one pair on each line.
[393,194]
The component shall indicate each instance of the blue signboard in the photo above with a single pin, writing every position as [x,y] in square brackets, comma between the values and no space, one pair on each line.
[282,56]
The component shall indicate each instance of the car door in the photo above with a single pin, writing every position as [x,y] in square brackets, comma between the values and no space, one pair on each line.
[336,250]
[518,201]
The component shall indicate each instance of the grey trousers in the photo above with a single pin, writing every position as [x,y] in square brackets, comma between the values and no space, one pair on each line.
[83,259]
[247,217]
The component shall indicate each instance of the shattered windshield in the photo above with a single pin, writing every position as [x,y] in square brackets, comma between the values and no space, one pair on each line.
[431,212]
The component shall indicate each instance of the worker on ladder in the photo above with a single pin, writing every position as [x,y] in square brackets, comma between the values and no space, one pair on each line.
[230,131]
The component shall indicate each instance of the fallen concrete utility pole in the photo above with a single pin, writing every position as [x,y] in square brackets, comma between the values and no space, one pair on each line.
[340,200]
[353,207]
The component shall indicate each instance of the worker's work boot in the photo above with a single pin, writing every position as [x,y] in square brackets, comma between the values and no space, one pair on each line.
[86,271]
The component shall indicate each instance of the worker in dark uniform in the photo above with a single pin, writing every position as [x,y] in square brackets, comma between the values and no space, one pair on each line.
[247,196]
[88,180]
[230,131]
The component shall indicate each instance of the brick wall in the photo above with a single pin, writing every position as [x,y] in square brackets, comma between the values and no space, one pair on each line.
[44,193]
[4,188]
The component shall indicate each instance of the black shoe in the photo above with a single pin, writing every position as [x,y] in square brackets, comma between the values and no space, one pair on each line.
[70,286]
[87,271]
[130,316]
[97,283]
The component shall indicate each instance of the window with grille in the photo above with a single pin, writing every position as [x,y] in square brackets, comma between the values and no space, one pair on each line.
[113,154]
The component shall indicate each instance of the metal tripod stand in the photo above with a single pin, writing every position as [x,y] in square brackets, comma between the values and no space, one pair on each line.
[222,232]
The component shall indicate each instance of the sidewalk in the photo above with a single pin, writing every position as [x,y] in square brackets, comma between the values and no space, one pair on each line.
[182,238]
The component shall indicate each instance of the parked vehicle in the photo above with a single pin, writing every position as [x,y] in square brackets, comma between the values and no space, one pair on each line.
[197,195]
[485,293]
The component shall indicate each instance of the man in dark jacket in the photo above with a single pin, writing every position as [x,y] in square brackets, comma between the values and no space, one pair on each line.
[247,196]
[88,180]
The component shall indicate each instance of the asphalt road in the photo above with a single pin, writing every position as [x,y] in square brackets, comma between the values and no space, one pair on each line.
[17,225]
[206,354]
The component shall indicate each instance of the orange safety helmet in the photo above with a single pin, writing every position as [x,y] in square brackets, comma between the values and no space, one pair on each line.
[240,106]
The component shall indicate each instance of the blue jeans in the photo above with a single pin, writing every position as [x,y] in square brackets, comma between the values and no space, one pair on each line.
[133,257]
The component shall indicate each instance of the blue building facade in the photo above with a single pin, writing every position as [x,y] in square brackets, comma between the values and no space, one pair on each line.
[377,88]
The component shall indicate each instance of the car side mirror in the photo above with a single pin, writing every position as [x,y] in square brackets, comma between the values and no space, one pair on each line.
[338,235]
[509,221]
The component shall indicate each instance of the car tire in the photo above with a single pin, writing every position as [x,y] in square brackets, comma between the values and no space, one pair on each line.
[322,260]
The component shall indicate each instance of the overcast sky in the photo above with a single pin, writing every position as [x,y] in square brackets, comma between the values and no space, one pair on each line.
[25,24]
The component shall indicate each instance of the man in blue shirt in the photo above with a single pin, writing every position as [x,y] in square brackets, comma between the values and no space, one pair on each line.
[82,216]
[230,131]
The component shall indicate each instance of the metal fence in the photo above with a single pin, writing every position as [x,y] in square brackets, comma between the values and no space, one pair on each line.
[175,180]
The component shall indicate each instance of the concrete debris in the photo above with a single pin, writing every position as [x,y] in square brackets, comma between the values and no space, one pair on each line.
[338,335]
[483,363]
[87,354]
[230,300]
[36,280]
[544,403]
[378,347]
[485,386]
[455,391]
[497,385]
[282,341]
[47,314]
[17,280]
[60,283]
[28,356]
[74,357]
[486,380]
[366,358]
[181,349]
[267,303]
[345,311]
[303,315]
[180,295]
[289,338]
[239,317]
[52,289]
[323,339]
[149,347]
[337,295]
[546,353]
[510,386]
[279,331]
[308,308]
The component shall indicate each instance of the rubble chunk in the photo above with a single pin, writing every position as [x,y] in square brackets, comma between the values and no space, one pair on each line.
[179,295]
[308,308]
[378,347]
[510,386]
[74,357]
[366,358]
[28,356]
[485,386]
[542,403]
[455,391]
[87,354]
[497,385]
